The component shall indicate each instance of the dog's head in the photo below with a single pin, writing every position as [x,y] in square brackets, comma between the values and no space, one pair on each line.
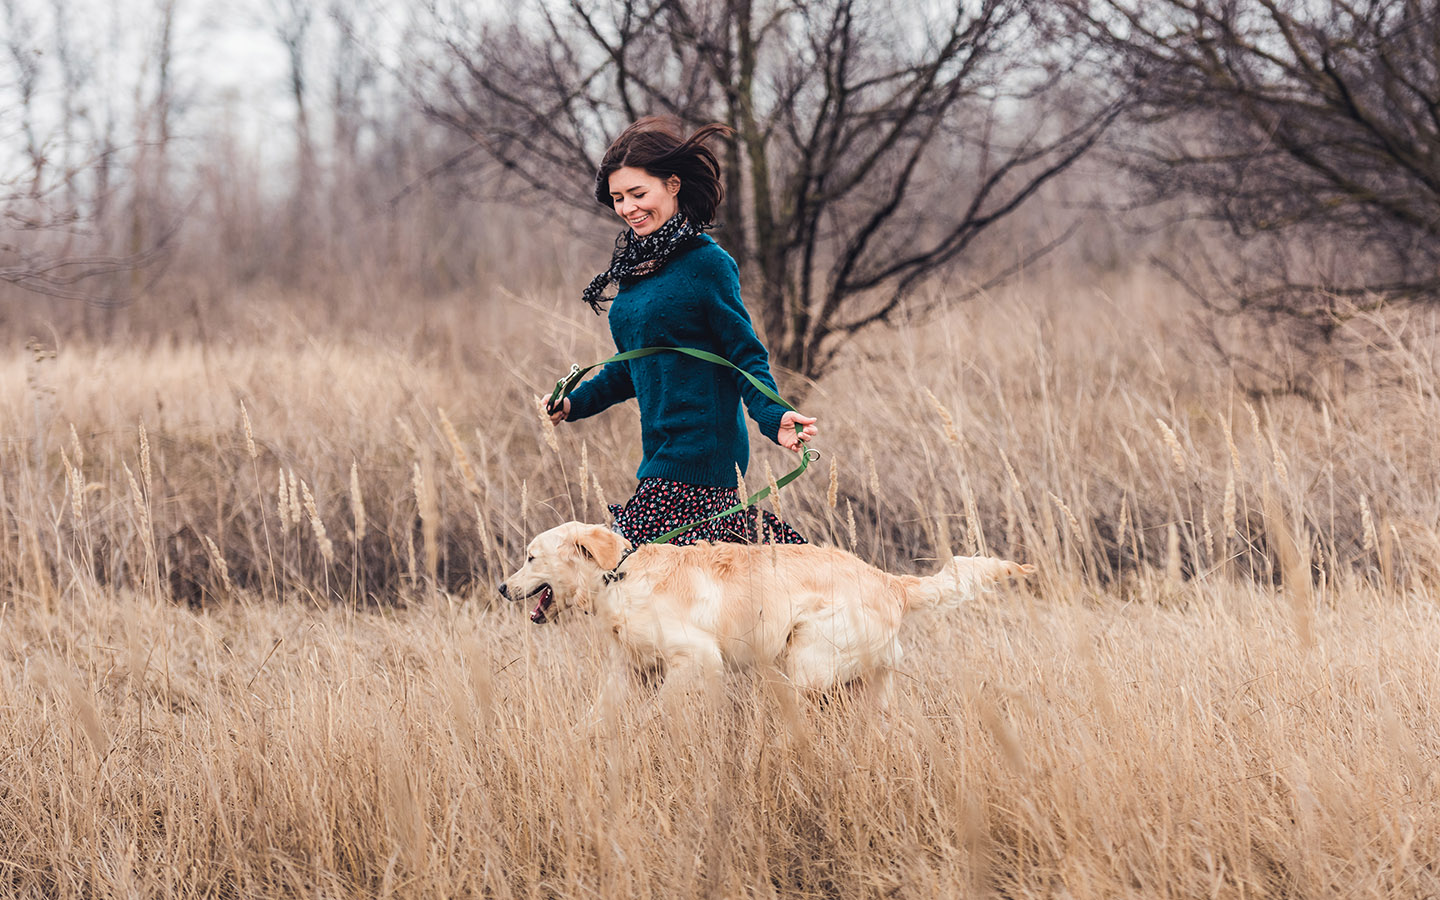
[564,567]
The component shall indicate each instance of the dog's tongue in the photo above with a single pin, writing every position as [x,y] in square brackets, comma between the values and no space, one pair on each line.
[537,615]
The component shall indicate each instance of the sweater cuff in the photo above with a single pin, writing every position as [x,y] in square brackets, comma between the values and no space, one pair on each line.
[768,421]
[581,405]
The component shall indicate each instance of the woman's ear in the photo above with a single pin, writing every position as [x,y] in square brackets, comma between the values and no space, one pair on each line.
[672,184]
[602,545]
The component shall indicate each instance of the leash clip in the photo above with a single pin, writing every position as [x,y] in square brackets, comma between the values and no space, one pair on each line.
[562,387]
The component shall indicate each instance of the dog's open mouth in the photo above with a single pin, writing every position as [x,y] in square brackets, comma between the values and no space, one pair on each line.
[542,606]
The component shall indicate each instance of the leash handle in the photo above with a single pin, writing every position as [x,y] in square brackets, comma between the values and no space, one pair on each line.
[565,385]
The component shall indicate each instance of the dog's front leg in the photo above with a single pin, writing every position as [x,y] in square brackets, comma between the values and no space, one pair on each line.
[690,669]
[614,686]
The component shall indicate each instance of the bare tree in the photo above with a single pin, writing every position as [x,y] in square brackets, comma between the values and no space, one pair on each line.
[292,24]
[1289,119]
[871,149]
[52,193]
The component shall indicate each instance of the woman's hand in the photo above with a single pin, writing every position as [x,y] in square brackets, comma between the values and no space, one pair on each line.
[788,438]
[561,413]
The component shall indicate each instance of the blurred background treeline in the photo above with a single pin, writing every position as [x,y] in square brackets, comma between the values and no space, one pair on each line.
[165,162]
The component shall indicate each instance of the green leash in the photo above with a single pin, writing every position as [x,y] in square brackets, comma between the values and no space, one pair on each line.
[564,386]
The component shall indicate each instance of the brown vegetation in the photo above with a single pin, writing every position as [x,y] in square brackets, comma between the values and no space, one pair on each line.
[1220,685]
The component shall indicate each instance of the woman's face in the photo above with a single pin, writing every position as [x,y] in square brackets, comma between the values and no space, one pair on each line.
[644,201]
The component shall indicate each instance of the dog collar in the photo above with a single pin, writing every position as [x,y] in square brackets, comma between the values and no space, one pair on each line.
[615,574]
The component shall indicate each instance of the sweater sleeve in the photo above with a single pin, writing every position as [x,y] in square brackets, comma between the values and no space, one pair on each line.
[602,390]
[730,323]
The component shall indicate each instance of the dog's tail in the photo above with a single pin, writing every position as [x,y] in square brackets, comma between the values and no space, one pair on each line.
[961,580]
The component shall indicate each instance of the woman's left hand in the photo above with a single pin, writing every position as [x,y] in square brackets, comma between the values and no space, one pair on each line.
[788,437]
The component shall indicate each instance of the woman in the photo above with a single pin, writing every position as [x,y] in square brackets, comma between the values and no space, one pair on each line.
[677,288]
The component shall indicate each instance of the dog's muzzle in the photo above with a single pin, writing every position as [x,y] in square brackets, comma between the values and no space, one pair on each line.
[538,615]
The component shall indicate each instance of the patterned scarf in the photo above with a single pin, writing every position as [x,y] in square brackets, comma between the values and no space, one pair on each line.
[636,257]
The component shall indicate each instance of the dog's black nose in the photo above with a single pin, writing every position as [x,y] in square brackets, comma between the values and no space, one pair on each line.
[503,592]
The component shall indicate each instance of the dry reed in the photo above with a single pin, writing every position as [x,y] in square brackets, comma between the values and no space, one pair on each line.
[1142,723]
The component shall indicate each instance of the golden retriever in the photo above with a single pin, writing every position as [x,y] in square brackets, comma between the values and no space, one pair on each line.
[820,615]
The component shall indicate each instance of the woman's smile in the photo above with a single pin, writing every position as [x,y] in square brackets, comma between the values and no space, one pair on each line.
[643,200]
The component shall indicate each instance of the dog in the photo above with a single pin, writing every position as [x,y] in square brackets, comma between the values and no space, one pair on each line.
[820,615]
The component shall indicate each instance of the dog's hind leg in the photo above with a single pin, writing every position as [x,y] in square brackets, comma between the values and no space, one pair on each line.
[813,661]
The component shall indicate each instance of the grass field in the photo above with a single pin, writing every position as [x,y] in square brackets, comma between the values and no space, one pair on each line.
[1221,684]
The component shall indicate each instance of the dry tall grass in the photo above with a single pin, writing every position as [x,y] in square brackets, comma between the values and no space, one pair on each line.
[1221,685]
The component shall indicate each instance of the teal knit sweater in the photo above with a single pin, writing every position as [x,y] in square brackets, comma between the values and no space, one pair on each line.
[691,426]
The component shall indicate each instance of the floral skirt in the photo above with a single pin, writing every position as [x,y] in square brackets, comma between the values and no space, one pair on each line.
[660,506]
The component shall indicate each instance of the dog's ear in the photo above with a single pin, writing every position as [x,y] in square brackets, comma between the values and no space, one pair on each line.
[602,545]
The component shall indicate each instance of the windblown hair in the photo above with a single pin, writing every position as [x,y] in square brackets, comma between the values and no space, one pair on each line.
[656,145]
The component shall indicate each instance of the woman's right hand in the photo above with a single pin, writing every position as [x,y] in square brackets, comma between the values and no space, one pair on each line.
[561,413]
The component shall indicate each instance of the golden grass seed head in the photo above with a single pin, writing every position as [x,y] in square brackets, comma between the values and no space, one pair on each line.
[524,500]
[974,535]
[1254,419]
[599,492]
[141,508]
[1070,519]
[327,549]
[76,483]
[145,472]
[77,495]
[874,476]
[1177,456]
[217,559]
[407,434]
[428,503]
[77,451]
[832,492]
[1208,533]
[740,488]
[774,490]
[850,523]
[249,434]
[1282,468]
[294,497]
[951,434]
[357,503]
[1230,443]
[1014,479]
[1124,522]
[1370,540]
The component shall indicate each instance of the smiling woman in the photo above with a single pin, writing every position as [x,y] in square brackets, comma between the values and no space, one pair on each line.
[643,200]
[675,287]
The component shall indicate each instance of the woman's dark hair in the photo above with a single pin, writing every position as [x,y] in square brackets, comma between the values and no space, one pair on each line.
[655,144]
